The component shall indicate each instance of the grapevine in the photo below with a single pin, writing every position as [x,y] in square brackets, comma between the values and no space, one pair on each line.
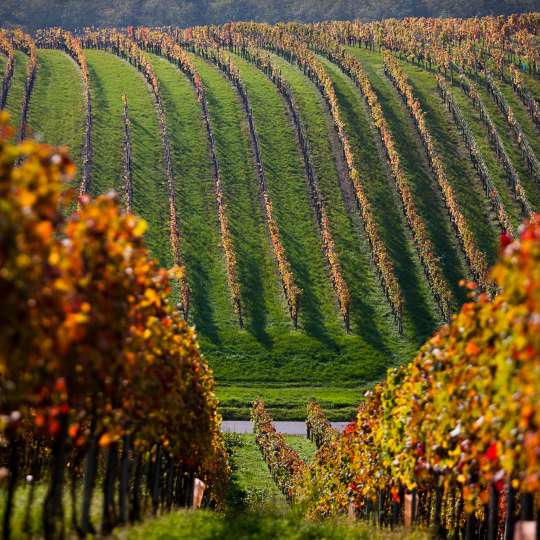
[128,162]
[453,428]
[7,48]
[476,157]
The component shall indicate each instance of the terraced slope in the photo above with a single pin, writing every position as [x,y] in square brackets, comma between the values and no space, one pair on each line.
[269,358]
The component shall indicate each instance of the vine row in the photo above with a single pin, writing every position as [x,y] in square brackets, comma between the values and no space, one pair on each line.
[316,72]
[102,380]
[528,100]
[476,259]
[127,157]
[423,243]
[162,44]
[476,157]
[284,463]
[124,47]
[6,47]
[319,429]
[513,178]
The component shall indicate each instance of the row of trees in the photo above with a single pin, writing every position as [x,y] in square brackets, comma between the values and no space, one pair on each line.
[101,377]
[452,438]
[475,258]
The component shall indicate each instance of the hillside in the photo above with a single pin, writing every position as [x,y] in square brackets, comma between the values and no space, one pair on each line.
[33,14]
[271,181]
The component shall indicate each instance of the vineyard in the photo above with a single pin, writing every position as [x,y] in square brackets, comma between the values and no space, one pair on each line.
[275,216]
[326,187]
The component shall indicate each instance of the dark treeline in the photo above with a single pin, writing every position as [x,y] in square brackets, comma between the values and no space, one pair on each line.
[32,14]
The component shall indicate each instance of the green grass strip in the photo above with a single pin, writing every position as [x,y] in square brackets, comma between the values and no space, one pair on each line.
[110,79]
[56,113]
[16,90]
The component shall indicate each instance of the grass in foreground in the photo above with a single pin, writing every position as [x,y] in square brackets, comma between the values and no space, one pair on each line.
[259,511]
[205,525]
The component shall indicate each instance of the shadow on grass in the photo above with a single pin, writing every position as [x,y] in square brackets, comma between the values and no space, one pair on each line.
[202,307]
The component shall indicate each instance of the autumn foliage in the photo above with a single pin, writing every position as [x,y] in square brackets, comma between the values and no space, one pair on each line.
[458,426]
[92,353]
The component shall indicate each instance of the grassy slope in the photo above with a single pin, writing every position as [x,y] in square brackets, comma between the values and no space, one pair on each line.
[322,337]
[532,189]
[270,356]
[370,314]
[57,112]
[458,166]
[110,78]
[196,203]
[16,89]
[429,203]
